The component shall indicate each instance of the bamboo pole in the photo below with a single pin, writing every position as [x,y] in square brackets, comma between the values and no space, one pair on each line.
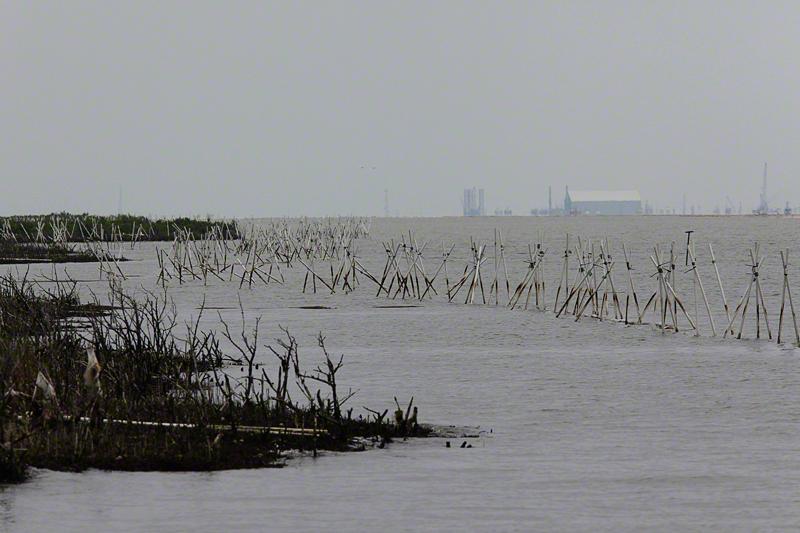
[791,304]
[719,283]
[702,292]
[630,283]
[503,259]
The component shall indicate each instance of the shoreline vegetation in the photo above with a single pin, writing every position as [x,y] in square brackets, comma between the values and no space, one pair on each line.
[69,227]
[25,253]
[122,386]
[71,238]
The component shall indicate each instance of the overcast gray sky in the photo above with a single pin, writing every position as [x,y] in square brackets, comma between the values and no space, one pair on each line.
[272,108]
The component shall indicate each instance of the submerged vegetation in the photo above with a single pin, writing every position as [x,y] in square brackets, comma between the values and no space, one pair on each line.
[123,386]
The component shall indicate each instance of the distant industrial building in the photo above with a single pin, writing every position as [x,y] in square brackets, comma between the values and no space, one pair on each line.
[474,203]
[602,202]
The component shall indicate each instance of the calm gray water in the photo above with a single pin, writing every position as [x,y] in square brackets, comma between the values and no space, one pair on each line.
[595,426]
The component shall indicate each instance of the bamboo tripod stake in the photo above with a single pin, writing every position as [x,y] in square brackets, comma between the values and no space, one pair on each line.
[787,291]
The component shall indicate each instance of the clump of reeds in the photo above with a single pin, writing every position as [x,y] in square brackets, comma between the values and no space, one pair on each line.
[13,252]
[68,227]
[128,388]
[13,468]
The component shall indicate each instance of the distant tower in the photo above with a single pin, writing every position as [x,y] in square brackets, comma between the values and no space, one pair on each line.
[119,202]
[471,207]
[684,204]
[549,200]
[386,203]
[474,202]
[763,206]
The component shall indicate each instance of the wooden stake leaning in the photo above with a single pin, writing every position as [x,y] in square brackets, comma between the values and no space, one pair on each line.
[693,264]
[630,283]
[787,291]
[563,280]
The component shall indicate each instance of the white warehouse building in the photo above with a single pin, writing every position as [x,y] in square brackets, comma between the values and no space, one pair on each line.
[602,203]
